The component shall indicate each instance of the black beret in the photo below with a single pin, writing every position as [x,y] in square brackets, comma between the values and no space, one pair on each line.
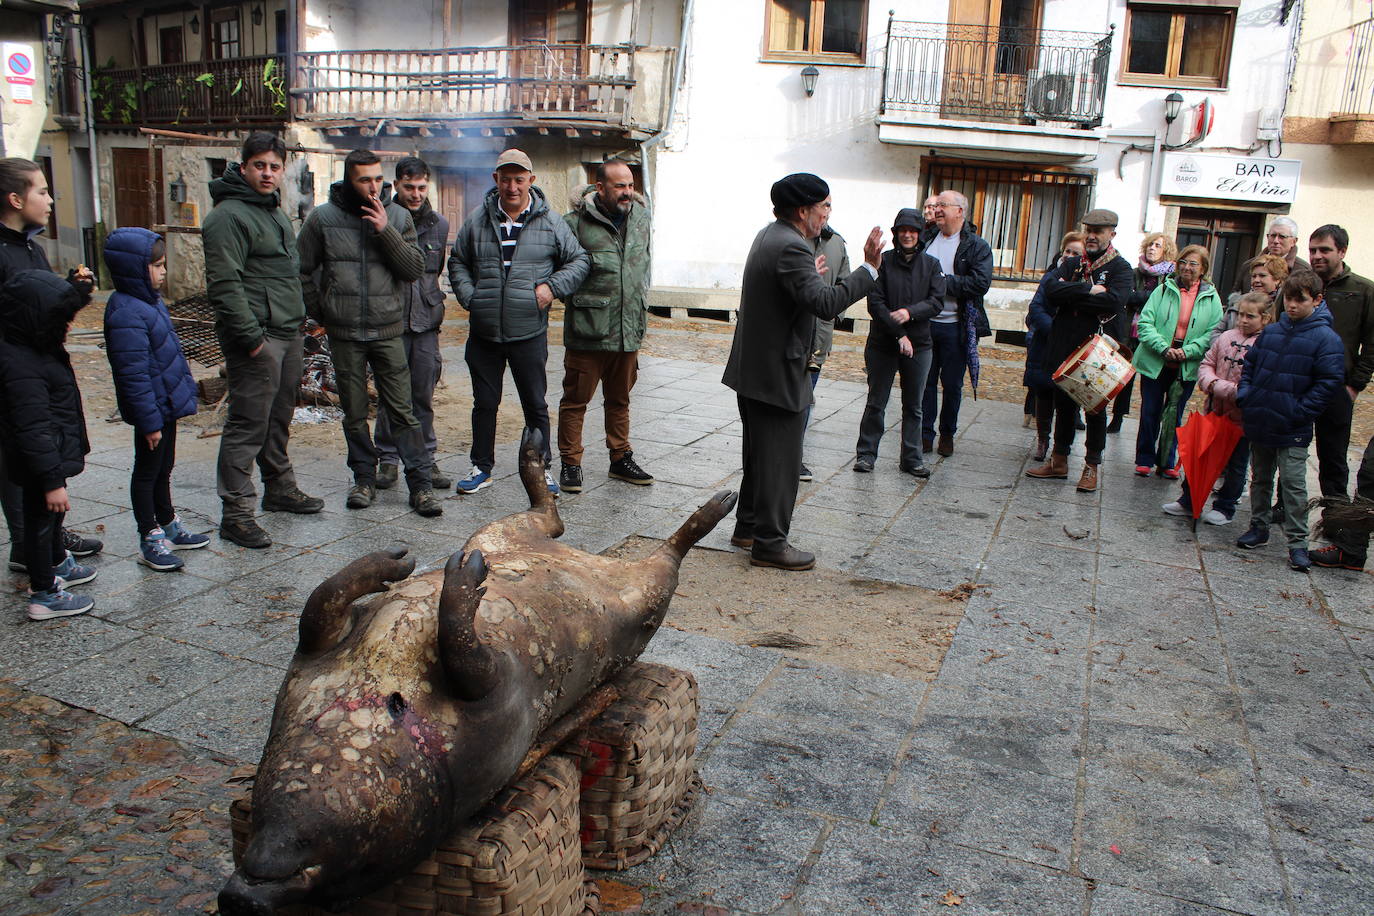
[801,189]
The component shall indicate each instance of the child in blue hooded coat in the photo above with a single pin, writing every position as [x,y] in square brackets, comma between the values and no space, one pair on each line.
[153,386]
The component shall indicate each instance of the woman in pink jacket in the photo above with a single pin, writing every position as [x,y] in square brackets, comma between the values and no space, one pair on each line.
[1218,377]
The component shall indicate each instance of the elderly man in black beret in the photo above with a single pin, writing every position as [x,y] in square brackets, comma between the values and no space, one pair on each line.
[783,295]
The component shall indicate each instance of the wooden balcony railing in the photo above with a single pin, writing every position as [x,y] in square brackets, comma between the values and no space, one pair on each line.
[237,91]
[541,82]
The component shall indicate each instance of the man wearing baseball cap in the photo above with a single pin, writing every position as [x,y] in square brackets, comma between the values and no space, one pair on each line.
[1087,296]
[512,258]
[783,296]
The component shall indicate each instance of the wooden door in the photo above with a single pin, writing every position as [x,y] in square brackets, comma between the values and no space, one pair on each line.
[551,60]
[990,50]
[170,46]
[1230,237]
[132,184]
[460,190]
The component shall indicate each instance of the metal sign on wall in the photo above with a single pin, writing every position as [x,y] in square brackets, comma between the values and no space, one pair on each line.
[1249,178]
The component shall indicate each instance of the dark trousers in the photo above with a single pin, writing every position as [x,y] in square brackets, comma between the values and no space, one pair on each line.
[12,498]
[1232,482]
[772,463]
[42,539]
[426,365]
[262,400]
[150,485]
[1064,411]
[1044,412]
[583,371]
[487,362]
[391,376]
[948,362]
[1357,543]
[1332,435]
[1121,407]
[815,373]
[882,362]
[1153,394]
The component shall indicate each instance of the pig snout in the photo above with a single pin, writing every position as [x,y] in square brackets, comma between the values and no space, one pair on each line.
[245,895]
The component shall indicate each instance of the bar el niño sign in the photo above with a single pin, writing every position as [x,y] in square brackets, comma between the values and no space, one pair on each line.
[1249,178]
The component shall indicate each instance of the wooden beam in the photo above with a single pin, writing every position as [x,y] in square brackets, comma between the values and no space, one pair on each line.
[393,131]
[487,132]
[508,131]
[426,132]
[571,132]
[543,131]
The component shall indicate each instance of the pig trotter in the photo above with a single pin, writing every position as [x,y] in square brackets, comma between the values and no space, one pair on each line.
[325,615]
[470,666]
[700,523]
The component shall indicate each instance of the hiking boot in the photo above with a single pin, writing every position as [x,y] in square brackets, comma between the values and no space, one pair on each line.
[477,479]
[58,602]
[1333,557]
[178,538]
[1176,508]
[361,495]
[1056,468]
[72,572]
[805,475]
[742,539]
[916,470]
[1299,560]
[425,503]
[155,554]
[291,499]
[80,546]
[625,468]
[551,483]
[863,465]
[946,446]
[439,480]
[1087,481]
[1257,536]
[387,475]
[245,533]
[789,558]
[1216,517]
[570,478]
[1114,427]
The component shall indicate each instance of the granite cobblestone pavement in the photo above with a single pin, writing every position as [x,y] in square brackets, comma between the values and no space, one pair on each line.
[1131,719]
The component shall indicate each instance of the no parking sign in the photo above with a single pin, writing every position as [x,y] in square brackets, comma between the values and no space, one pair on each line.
[19,64]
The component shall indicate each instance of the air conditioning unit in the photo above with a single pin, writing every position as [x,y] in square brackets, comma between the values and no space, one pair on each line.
[1066,97]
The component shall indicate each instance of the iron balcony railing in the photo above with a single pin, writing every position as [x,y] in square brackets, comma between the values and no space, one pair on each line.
[1357,94]
[990,73]
[236,91]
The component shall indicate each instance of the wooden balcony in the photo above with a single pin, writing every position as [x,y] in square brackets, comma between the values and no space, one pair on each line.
[242,91]
[617,88]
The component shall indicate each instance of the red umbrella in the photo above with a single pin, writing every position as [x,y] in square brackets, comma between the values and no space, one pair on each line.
[1205,444]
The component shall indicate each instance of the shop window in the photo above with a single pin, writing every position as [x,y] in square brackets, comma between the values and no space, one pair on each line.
[1178,45]
[824,30]
[1021,213]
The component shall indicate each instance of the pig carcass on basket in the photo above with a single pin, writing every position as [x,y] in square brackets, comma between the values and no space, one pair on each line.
[400,716]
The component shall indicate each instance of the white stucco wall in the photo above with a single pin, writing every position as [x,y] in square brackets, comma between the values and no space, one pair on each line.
[23,123]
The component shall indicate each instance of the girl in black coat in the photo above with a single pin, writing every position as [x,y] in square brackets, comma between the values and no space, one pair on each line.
[42,430]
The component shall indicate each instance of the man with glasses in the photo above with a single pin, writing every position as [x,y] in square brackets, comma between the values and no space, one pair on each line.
[1280,241]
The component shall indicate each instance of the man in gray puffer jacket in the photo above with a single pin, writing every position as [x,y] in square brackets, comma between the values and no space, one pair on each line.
[366,253]
[512,257]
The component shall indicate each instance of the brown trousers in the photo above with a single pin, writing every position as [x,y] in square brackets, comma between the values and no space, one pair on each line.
[583,370]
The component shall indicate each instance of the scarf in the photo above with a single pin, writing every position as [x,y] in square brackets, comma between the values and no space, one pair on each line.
[1102,260]
[1162,269]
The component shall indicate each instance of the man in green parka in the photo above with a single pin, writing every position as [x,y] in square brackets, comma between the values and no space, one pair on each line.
[604,321]
[252,278]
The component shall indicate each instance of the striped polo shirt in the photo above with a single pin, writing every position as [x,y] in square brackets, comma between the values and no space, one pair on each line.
[510,234]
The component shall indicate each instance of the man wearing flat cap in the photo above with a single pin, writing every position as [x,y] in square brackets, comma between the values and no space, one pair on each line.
[1087,296]
[783,296]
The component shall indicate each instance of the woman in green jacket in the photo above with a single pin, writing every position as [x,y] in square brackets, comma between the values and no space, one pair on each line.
[1175,329]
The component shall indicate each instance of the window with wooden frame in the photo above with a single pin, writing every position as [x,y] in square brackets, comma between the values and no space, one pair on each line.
[226,36]
[1180,43]
[1020,212]
[821,30]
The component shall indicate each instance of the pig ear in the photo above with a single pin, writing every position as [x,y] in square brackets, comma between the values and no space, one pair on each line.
[326,610]
[469,665]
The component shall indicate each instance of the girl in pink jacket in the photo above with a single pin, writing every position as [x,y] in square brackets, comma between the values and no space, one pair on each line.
[1218,377]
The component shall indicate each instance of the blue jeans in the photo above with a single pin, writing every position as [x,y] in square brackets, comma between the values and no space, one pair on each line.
[1232,482]
[1153,393]
[948,361]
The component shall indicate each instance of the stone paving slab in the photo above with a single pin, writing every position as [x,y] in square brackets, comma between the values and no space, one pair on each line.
[1132,717]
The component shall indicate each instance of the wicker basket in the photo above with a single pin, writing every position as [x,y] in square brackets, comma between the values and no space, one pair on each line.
[638,763]
[517,857]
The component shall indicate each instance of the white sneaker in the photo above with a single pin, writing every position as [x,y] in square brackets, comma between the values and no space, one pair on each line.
[1213,517]
[1176,508]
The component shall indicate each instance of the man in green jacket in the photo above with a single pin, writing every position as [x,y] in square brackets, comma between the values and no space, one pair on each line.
[253,282]
[365,249]
[604,321]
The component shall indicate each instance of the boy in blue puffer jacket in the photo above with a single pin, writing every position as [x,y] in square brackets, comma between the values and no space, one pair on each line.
[1290,376]
[154,387]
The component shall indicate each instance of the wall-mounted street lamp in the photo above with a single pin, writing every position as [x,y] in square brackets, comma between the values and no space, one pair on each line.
[176,191]
[1173,104]
[195,25]
[809,75]
[257,14]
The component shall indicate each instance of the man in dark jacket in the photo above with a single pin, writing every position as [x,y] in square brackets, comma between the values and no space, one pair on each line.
[604,322]
[511,259]
[424,314]
[1083,297]
[366,251]
[781,297]
[252,279]
[966,261]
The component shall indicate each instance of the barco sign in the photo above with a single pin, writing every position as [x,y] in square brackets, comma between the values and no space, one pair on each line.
[1257,179]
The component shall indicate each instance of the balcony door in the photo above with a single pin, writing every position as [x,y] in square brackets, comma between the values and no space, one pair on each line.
[550,57]
[990,51]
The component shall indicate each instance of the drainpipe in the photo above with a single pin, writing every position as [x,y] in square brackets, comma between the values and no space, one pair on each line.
[88,61]
[645,160]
